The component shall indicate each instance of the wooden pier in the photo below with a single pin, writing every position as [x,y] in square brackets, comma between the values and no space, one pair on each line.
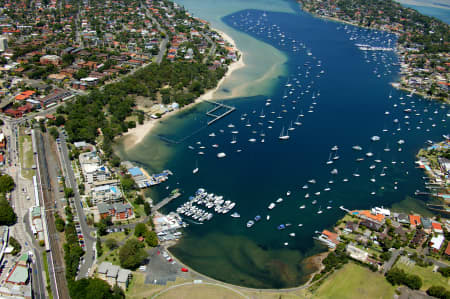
[165,201]
[218,106]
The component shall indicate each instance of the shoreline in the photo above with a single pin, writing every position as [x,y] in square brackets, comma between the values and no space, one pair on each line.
[135,136]
[314,258]
[401,53]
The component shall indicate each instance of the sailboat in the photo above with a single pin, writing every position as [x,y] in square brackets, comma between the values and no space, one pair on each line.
[196,168]
[282,136]
[262,114]
[297,123]
[329,159]
[291,128]
[234,140]
[335,155]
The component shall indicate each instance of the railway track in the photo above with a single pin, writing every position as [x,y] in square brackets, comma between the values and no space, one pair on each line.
[57,256]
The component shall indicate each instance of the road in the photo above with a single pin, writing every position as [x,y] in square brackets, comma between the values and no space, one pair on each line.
[71,182]
[388,264]
[48,187]
[24,189]
[164,42]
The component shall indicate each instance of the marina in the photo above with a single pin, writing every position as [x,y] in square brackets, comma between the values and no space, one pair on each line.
[213,202]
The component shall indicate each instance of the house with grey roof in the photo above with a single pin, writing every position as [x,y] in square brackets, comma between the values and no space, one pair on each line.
[123,278]
[111,276]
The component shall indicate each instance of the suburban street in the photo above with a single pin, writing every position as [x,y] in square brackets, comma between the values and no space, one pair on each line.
[388,264]
[164,42]
[71,182]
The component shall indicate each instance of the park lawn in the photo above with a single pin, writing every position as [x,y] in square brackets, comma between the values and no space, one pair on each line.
[199,291]
[429,278]
[138,289]
[26,156]
[354,281]
[111,256]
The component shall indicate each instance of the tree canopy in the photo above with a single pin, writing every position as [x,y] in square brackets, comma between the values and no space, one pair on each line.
[7,215]
[93,288]
[132,254]
[6,183]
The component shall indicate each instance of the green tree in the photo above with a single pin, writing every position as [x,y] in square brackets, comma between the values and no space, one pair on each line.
[7,215]
[68,192]
[54,132]
[139,200]
[147,208]
[140,229]
[93,288]
[438,292]
[60,120]
[6,183]
[98,246]
[60,224]
[16,245]
[132,254]
[111,243]
[151,238]
[444,271]
[127,183]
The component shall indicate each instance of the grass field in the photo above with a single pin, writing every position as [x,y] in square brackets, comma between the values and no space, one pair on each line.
[26,156]
[429,277]
[138,289]
[112,256]
[354,281]
[201,291]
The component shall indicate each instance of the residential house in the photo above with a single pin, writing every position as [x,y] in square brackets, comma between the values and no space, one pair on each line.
[436,243]
[426,224]
[370,224]
[357,253]
[123,278]
[437,227]
[414,220]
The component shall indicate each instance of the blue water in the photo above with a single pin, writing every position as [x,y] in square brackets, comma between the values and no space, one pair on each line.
[348,100]
[442,12]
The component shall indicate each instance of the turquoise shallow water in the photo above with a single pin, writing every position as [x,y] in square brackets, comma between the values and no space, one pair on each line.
[442,12]
[350,99]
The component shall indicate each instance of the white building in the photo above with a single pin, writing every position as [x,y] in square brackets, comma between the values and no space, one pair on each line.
[3,44]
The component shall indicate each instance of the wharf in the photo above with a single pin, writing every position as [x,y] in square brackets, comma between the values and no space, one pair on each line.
[218,106]
[165,201]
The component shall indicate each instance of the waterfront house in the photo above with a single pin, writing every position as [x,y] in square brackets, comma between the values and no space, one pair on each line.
[436,243]
[426,224]
[437,227]
[414,220]
[371,224]
[328,238]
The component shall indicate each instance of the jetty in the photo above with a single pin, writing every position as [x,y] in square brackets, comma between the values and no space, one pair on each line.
[218,106]
[165,201]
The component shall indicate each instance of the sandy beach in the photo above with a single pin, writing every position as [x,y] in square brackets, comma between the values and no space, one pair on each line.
[134,136]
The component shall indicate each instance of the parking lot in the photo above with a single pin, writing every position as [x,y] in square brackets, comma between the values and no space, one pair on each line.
[162,268]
